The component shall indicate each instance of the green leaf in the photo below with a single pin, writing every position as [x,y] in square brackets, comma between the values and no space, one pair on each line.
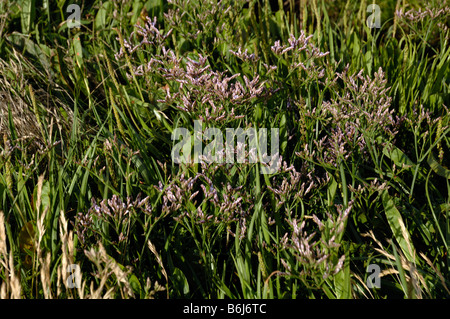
[398,227]
[102,17]
[369,60]
[27,244]
[258,113]
[437,168]
[400,159]
[28,15]
[331,191]
[396,155]
[154,8]
[403,281]
[180,281]
[137,7]
[283,133]
[135,284]
[45,197]
[78,51]
[342,282]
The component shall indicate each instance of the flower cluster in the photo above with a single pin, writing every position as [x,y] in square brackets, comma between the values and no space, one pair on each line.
[420,15]
[192,196]
[360,113]
[245,56]
[375,186]
[296,185]
[299,44]
[304,55]
[213,96]
[208,93]
[113,211]
[312,254]
[176,192]
[150,34]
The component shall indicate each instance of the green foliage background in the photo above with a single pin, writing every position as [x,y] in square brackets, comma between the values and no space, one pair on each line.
[83,139]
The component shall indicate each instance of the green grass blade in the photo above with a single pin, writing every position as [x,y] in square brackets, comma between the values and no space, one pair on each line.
[398,227]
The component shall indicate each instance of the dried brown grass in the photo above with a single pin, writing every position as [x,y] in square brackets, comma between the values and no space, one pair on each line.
[30,104]
[110,280]
[11,287]
[415,280]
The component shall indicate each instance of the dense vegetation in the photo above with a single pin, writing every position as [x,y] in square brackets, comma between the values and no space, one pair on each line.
[87,177]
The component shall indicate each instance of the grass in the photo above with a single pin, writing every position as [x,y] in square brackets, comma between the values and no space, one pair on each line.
[92,205]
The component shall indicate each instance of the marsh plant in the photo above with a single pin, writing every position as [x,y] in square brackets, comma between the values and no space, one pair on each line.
[224,149]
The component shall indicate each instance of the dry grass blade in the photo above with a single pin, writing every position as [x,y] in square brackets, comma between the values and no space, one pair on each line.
[16,288]
[27,113]
[65,260]
[158,259]
[436,271]
[414,276]
[407,238]
[364,286]
[3,255]
[40,217]
[10,288]
[99,257]
[103,273]
[3,249]
[24,120]
[45,276]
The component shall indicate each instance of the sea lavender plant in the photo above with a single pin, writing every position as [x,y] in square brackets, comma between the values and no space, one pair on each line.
[192,197]
[150,36]
[114,213]
[434,18]
[313,251]
[305,62]
[360,117]
[206,94]
[434,12]
[295,185]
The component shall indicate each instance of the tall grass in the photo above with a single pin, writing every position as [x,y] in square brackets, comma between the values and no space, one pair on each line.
[88,188]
